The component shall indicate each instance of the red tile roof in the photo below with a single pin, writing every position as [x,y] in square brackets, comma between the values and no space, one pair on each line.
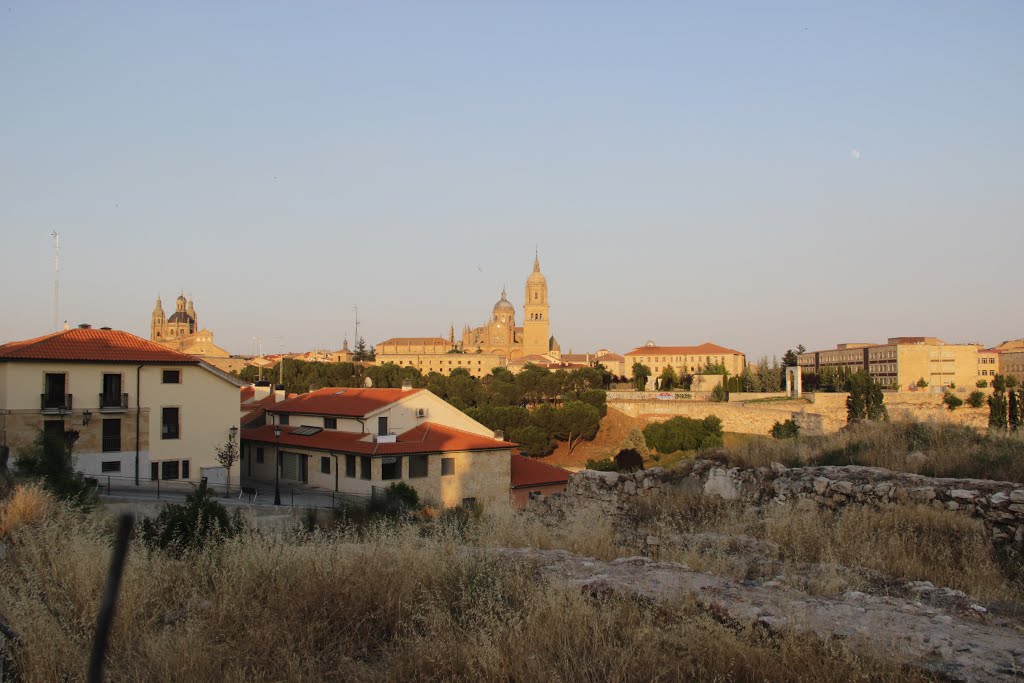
[248,393]
[341,402]
[93,345]
[610,356]
[252,416]
[428,437]
[705,349]
[416,341]
[532,472]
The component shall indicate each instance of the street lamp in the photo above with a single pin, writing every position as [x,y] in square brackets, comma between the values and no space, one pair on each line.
[277,464]
[86,417]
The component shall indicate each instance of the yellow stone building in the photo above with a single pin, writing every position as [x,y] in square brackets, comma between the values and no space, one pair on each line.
[902,362]
[500,336]
[685,360]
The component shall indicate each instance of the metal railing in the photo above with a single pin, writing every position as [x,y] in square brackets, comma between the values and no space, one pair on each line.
[113,401]
[177,489]
[51,403]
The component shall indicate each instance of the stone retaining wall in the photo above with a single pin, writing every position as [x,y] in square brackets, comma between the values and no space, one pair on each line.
[999,504]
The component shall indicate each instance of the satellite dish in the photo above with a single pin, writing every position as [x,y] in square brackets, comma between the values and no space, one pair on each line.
[367,382]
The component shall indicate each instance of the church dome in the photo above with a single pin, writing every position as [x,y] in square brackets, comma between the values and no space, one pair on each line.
[180,317]
[504,304]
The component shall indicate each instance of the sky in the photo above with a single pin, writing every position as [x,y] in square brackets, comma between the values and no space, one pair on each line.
[755,174]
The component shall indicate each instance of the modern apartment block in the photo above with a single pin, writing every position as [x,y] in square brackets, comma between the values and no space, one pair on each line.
[902,362]
[140,411]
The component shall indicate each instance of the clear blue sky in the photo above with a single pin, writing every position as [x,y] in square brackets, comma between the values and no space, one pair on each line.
[690,173]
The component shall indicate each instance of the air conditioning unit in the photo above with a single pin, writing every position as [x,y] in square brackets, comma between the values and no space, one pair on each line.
[421,412]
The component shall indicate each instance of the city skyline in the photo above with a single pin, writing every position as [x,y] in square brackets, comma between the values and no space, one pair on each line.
[757,177]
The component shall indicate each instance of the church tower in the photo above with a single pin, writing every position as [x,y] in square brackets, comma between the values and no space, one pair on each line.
[157,325]
[536,326]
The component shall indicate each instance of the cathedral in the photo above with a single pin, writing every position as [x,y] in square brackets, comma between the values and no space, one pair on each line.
[500,335]
[181,332]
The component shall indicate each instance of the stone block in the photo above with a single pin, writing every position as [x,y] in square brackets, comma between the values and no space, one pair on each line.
[962,494]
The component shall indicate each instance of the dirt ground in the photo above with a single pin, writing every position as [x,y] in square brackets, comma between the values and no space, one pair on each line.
[614,427]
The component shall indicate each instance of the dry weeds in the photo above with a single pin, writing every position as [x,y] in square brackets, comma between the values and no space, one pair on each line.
[388,603]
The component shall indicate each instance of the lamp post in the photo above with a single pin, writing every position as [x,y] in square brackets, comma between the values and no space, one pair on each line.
[277,464]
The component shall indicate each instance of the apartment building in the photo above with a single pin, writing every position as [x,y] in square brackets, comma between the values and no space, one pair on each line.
[141,411]
[358,441]
[902,363]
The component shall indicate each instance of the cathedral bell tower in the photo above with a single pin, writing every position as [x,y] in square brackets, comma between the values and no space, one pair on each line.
[536,326]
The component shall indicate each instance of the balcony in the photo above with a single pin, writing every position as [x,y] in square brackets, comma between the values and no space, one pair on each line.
[113,402]
[55,403]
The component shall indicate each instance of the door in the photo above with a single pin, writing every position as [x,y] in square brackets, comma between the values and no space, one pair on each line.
[382,425]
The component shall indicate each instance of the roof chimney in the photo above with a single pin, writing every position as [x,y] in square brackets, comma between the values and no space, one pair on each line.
[261,390]
[406,384]
[85,326]
[499,435]
[279,393]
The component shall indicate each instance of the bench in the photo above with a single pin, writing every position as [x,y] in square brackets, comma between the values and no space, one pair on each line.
[251,491]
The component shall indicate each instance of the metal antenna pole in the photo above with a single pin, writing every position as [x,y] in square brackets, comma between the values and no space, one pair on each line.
[356,338]
[56,280]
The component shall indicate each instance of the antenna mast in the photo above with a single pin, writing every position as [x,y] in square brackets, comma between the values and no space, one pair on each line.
[356,309]
[56,279]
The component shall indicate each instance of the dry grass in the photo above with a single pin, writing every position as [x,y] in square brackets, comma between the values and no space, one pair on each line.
[929,448]
[387,604]
[827,551]
[26,505]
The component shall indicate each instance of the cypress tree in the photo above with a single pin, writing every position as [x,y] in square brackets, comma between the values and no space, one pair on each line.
[1015,409]
[997,407]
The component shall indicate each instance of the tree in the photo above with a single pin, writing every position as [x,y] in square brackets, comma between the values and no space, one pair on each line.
[981,383]
[789,358]
[997,405]
[922,383]
[640,374]
[227,456]
[50,460]
[668,378]
[635,441]
[718,394]
[533,441]
[684,434]
[952,401]
[866,401]
[1014,413]
[976,399]
[577,421]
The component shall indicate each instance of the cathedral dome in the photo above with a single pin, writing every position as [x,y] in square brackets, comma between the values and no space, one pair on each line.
[504,305]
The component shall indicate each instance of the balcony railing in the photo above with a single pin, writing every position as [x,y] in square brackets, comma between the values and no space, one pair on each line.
[113,401]
[49,403]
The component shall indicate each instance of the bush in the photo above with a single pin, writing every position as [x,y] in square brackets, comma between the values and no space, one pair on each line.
[399,501]
[635,440]
[952,401]
[981,384]
[199,521]
[684,434]
[718,394]
[785,430]
[976,399]
[922,383]
[628,460]
[602,465]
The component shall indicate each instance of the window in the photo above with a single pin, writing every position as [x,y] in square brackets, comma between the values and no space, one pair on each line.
[391,467]
[364,467]
[447,467]
[172,377]
[111,435]
[330,423]
[111,396]
[417,466]
[325,465]
[185,470]
[55,390]
[259,456]
[171,427]
[169,469]
[282,420]
[469,502]
[350,466]
[110,466]
[382,422]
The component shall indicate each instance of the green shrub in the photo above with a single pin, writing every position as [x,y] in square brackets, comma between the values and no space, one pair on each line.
[785,430]
[976,399]
[718,394]
[602,465]
[201,520]
[952,401]
[684,434]
[49,459]
[398,501]
[981,384]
